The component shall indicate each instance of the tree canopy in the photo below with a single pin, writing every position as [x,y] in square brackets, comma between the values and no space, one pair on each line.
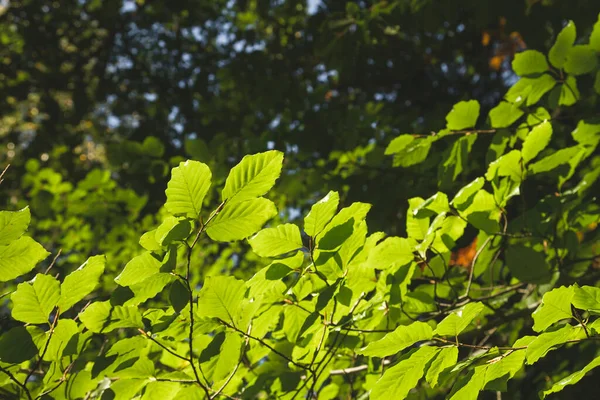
[290,199]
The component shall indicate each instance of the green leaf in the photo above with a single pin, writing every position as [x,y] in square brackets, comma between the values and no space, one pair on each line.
[148,288]
[321,213]
[446,358]
[507,165]
[597,82]
[415,152]
[529,62]
[548,341]
[221,297]
[576,376]
[392,252]
[101,317]
[162,391]
[556,306]
[505,114]
[467,192]
[229,355]
[20,257]
[398,144]
[272,242]
[527,264]
[587,298]
[538,87]
[564,41]
[342,226]
[81,282]
[33,302]
[582,59]
[138,269]
[398,380]
[401,338]
[61,340]
[436,204]
[13,224]
[536,141]
[459,320]
[172,229]
[569,93]
[17,345]
[587,134]
[238,221]
[148,241]
[254,176]
[189,183]
[463,115]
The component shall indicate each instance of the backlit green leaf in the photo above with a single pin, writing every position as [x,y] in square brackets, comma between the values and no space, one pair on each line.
[581,59]
[463,115]
[13,224]
[569,93]
[20,257]
[398,144]
[529,62]
[272,242]
[189,183]
[505,114]
[17,345]
[548,341]
[221,297]
[393,251]
[536,141]
[459,320]
[564,41]
[398,380]
[254,176]
[172,229]
[556,306]
[397,340]
[33,302]
[446,358]
[101,317]
[238,221]
[587,298]
[81,282]
[138,269]
[321,213]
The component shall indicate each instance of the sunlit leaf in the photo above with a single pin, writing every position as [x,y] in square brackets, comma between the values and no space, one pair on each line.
[254,176]
[189,183]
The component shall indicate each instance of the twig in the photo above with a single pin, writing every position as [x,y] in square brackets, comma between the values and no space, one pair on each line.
[351,370]
[15,380]
[280,354]
[472,269]
[53,261]
[3,172]
[163,346]
[62,379]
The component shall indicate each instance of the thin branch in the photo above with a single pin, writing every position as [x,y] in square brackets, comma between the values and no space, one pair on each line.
[168,350]
[53,261]
[3,172]
[62,379]
[472,269]
[15,380]
[352,370]
[280,354]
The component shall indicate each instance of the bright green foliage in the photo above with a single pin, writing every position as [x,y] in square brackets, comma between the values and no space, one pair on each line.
[33,302]
[13,225]
[556,306]
[254,176]
[187,188]
[562,46]
[401,338]
[529,62]
[459,320]
[19,257]
[321,213]
[463,115]
[272,242]
[267,292]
